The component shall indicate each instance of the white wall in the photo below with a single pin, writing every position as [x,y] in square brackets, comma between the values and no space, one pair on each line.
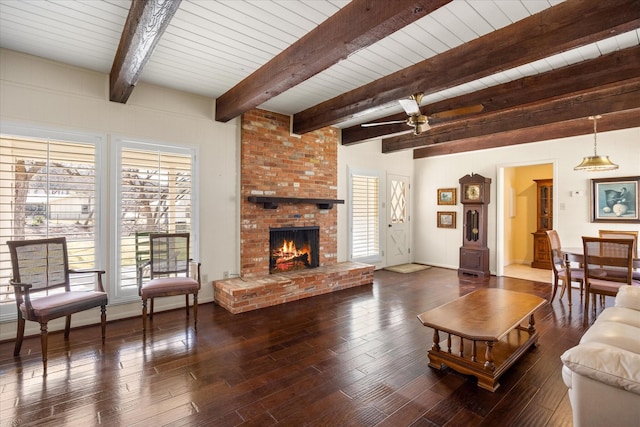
[440,247]
[44,93]
[368,156]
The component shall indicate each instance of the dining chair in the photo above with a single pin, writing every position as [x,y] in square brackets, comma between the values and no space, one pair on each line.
[624,234]
[171,272]
[608,264]
[42,285]
[560,270]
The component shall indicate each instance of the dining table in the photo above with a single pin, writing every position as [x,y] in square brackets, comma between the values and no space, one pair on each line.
[576,254]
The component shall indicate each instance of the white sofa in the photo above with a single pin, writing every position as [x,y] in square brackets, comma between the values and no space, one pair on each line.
[603,370]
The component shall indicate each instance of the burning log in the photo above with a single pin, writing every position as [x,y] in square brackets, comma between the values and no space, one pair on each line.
[303,258]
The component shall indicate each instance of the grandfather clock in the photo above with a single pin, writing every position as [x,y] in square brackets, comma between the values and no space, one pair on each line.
[475,197]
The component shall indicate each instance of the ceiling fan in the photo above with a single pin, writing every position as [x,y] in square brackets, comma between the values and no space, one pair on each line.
[420,122]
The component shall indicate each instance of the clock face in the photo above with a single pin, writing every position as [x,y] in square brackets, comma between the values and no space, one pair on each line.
[472,192]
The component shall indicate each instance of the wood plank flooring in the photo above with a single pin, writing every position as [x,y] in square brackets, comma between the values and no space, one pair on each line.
[352,358]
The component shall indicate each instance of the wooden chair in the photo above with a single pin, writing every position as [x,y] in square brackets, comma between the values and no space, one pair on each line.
[41,281]
[614,258]
[624,234]
[171,272]
[560,271]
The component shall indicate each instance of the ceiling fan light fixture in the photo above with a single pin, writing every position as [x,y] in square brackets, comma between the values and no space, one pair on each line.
[419,122]
[595,163]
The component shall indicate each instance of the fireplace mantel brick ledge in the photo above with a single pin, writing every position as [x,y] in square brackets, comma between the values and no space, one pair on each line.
[238,295]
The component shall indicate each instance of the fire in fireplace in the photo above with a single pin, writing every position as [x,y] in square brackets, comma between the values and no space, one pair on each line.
[293,248]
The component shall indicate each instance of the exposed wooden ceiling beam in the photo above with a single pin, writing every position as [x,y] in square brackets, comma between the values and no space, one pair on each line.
[562,129]
[580,77]
[145,24]
[565,26]
[357,25]
[615,97]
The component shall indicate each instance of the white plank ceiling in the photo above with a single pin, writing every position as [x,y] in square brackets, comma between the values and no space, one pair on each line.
[210,46]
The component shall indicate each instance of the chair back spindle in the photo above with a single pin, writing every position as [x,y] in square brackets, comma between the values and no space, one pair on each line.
[42,264]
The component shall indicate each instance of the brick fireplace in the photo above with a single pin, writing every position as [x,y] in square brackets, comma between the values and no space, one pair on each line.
[275,163]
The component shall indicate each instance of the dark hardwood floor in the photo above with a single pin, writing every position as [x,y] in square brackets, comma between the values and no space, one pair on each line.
[352,358]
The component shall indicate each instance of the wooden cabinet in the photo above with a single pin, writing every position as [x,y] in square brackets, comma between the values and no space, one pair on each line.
[544,222]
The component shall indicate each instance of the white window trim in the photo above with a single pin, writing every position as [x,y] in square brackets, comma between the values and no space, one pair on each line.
[118,295]
[351,171]
[8,311]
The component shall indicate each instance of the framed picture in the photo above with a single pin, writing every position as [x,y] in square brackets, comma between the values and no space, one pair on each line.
[447,219]
[447,196]
[615,199]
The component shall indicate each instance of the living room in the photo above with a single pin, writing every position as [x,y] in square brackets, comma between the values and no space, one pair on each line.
[163,115]
[45,98]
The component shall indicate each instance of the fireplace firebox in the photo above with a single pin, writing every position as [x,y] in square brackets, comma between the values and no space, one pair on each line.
[293,248]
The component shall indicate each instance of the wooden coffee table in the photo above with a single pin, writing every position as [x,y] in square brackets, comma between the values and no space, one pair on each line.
[485,321]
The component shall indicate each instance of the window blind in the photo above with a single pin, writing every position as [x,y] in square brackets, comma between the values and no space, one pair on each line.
[365,214]
[48,189]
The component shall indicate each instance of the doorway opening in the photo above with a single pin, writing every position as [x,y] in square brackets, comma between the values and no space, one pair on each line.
[516,217]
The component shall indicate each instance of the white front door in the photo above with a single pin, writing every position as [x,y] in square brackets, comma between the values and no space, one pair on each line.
[397,220]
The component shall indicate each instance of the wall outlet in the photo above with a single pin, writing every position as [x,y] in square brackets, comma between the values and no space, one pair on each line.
[225,274]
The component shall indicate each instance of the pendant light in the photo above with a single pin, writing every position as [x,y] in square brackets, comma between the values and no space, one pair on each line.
[595,162]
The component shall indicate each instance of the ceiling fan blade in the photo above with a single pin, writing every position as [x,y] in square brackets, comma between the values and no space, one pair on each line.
[366,125]
[458,112]
[410,106]
[404,132]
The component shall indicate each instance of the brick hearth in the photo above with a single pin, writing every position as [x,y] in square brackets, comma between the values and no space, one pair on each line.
[238,295]
[275,163]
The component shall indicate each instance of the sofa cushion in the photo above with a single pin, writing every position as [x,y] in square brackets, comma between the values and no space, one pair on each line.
[621,315]
[629,297]
[614,334]
[601,362]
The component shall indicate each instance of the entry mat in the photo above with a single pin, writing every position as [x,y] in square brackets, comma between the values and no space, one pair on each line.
[407,268]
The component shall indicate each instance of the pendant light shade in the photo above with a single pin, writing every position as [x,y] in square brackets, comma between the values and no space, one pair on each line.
[595,162]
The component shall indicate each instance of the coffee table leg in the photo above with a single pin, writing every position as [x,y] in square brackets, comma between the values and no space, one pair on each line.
[532,323]
[436,340]
[489,356]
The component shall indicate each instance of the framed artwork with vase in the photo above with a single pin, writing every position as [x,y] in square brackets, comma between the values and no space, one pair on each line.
[615,199]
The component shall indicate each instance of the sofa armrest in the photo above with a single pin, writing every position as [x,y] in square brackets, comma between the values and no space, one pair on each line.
[628,297]
[604,363]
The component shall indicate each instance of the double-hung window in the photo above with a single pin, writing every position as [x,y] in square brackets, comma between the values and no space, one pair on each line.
[155,184]
[364,216]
